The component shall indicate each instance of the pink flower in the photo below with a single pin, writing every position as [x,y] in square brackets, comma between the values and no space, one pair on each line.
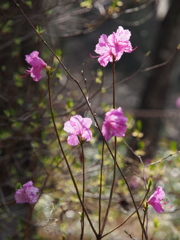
[156,198]
[78,127]
[112,47]
[114,124]
[27,194]
[178,102]
[37,65]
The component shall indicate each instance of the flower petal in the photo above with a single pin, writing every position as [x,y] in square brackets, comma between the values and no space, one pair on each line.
[73,140]
[114,124]
[156,198]
[28,194]
[37,65]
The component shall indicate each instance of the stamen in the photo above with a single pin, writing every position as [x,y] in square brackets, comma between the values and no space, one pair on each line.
[24,75]
[135,48]
[93,56]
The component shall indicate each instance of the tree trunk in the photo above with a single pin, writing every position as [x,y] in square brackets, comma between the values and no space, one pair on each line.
[155,94]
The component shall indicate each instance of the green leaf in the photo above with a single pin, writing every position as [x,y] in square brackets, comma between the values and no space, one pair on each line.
[156,223]
[18,80]
[139,125]
[7,113]
[150,183]
[148,53]
[28,3]
[173,146]
[3,68]
[17,125]
[58,52]
[70,103]
[63,237]
[5,134]
[17,41]
[103,89]
[86,3]
[99,73]
[140,145]
[20,101]
[39,29]
[18,186]
[5,5]
[59,74]
[7,28]
[98,80]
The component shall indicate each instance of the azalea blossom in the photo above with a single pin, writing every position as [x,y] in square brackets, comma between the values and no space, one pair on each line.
[111,48]
[37,65]
[114,124]
[78,127]
[27,194]
[156,198]
[178,102]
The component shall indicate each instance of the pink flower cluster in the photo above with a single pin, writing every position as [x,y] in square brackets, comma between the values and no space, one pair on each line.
[78,127]
[111,48]
[37,65]
[114,124]
[27,194]
[156,198]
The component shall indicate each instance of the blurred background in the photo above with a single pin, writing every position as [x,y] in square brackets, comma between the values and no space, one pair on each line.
[148,90]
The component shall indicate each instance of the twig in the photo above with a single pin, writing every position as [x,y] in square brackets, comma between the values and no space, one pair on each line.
[115,151]
[170,155]
[161,64]
[100,187]
[140,159]
[127,217]
[129,235]
[83,192]
[64,155]
[6,203]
